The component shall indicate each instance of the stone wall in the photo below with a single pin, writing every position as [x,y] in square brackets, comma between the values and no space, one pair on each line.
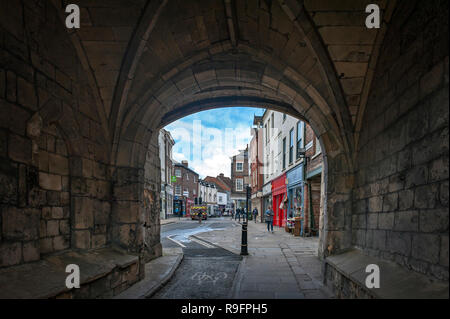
[54,163]
[400,203]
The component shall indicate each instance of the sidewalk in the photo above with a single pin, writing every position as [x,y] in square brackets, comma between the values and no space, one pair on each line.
[279,265]
[171,220]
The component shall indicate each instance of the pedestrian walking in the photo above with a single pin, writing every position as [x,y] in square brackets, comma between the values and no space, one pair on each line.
[255,213]
[238,212]
[268,216]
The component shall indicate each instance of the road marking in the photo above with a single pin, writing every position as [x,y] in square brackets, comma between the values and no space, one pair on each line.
[198,241]
[175,241]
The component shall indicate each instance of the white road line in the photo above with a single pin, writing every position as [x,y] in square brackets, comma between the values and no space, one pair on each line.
[201,242]
[175,241]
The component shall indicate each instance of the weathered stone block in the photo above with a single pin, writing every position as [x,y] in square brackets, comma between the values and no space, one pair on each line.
[11,86]
[82,239]
[83,212]
[444,194]
[390,202]
[26,94]
[10,254]
[53,198]
[50,181]
[426,247]
[444,251]
[2,84]
[46,245]
[98,241]
[406,199]
[426,196]
[19,149]
[61,243]
[416,176]
[57,213]
[52,228]
[372,221]
[434,221]
[64,227]
[406,221]
[439,169]
[58,164]
[31,251]
[386,221]
[20,224]
[376,204]
[399,242]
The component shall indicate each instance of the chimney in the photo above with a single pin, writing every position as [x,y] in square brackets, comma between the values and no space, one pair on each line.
[221,175]
[185,163]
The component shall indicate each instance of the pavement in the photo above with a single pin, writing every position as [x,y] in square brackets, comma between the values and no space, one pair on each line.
[279,265]
[171,220]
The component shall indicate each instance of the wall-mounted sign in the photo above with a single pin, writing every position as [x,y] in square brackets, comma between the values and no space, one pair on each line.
[173,179]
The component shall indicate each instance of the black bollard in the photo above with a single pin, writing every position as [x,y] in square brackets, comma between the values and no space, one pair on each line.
[244,250]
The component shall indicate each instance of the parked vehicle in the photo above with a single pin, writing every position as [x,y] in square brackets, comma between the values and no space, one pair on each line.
[199,212]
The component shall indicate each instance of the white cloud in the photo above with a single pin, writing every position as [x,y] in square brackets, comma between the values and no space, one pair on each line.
[207,149]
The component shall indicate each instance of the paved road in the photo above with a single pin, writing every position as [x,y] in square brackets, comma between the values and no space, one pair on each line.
[207,271]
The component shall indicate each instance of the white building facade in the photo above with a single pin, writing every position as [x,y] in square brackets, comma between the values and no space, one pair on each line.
[166,143]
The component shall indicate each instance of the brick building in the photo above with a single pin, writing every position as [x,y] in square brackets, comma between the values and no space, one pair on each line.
[185,188]
[239,178]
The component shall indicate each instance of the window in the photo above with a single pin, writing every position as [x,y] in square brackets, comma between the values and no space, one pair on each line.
[267,134]
[178,172]
[194,178]
[194,192]
[178,190]
[284,153]
[318,147]
[299,137]
[220,199]
[239,184]
[187,177]
[291,146]
[239,167]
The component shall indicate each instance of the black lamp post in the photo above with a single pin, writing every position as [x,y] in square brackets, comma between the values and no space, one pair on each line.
[244,247]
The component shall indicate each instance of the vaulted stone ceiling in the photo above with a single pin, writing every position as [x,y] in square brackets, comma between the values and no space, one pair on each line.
[144,56]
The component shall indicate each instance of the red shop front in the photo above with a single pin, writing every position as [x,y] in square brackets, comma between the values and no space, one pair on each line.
[279,193]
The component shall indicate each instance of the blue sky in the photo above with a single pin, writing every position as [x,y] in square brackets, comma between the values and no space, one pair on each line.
[208,139]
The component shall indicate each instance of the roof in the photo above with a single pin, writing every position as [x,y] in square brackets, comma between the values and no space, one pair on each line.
[181,165]
[219,184]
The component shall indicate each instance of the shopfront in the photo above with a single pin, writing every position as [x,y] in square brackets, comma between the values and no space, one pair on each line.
[267,199]
[178,206]
[295,206]
[279,201]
